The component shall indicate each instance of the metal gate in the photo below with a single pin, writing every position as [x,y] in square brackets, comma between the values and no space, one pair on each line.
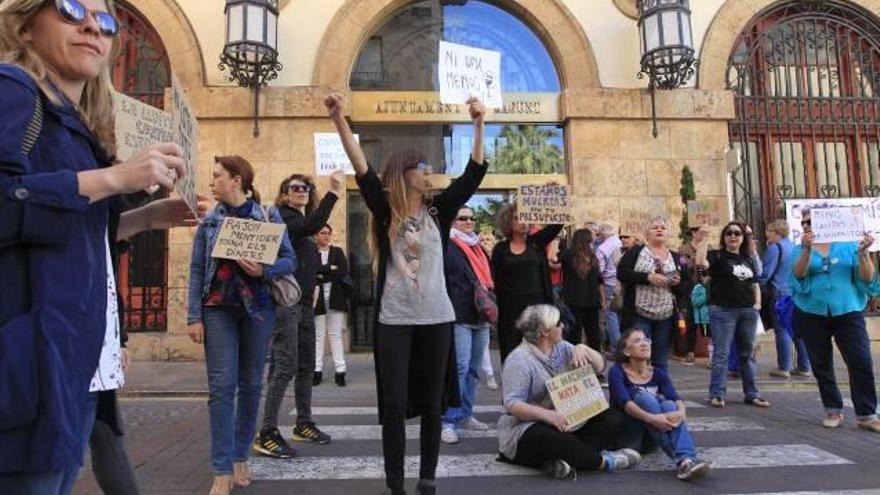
[142,71]
[806,76]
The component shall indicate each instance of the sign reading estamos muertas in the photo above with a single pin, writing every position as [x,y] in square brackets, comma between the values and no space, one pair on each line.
[545,204]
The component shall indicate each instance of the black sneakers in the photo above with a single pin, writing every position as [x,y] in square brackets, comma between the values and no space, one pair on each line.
[340,379]
[310,433]
[270,443]
[317,378]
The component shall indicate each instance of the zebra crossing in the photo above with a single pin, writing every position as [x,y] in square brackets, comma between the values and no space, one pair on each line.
[355,430]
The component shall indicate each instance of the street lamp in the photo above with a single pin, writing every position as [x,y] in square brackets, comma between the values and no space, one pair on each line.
[250,53]
[667,46]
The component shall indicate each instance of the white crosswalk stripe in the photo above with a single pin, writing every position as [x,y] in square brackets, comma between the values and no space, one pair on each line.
[372,410]
[455,466]
[374,432]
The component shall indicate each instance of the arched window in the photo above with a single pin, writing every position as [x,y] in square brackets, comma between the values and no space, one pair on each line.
[398,64]
[806,77]
[143,71]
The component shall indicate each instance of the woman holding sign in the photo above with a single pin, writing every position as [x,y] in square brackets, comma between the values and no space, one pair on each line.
[531,432]
[830,285]
[60,223]
[232,313]
[521,272]
[647,394]
[415,366]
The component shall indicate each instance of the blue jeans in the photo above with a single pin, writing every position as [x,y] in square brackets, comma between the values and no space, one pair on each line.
[56,482]
[470,341]
[783,328]
[660,333]
[851,337]
[612,327]
[235,353]
[729,324]
[676,443]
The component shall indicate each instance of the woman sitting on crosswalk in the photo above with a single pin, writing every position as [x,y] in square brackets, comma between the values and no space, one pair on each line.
[531,432]
[647,394]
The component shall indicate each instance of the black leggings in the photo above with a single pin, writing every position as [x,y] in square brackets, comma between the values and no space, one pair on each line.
[580,449]
[429,346]
[588,323]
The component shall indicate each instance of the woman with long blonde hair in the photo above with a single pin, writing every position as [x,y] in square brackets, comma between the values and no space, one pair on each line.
[414,312]
[59,325]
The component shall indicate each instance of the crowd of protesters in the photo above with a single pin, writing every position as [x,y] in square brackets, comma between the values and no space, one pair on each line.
[555,301]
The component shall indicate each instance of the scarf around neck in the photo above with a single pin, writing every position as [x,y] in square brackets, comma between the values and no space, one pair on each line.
[476,257]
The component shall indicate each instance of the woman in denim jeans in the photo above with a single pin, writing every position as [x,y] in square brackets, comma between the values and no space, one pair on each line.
[648,395]
[734,302]
[831,284]
[231,311]
[652,276]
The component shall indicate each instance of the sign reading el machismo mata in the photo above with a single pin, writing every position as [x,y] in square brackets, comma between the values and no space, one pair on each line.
[244,239]
[577,396]
[550,203]
[464,71]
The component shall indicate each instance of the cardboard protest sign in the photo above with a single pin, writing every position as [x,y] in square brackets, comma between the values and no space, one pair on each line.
[464,71]
[330,155]
[577,396]
[870,214]
[139,125]
[840,224]
[244,239]
[705,212]
[634,222]
[187,137]
[545,204]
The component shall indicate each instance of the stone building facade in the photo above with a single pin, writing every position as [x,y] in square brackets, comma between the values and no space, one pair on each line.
[590,106]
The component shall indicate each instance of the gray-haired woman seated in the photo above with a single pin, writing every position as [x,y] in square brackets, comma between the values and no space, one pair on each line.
[531,432]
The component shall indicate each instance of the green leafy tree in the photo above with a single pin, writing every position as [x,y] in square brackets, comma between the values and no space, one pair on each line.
[687,193]
[527,149]
[484,215]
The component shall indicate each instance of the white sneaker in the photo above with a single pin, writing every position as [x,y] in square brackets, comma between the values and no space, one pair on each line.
[448,435]
[473,423]
[491,384]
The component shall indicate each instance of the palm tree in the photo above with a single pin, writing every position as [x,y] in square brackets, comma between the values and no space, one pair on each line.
[527,149]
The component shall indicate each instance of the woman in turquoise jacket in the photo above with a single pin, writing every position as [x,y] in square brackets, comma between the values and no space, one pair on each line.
[830,284]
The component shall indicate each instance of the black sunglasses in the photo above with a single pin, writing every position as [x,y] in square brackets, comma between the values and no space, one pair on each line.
[465,219]
[74,12]
[733,233]
[806,223]
[299,188]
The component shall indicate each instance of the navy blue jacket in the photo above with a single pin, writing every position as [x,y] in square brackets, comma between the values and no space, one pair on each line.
[53,280]
[460,286]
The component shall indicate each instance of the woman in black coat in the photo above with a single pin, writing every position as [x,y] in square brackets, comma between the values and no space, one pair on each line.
[331,305]
[413,348]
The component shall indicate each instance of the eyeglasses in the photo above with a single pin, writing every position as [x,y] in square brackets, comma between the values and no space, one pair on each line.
[299,188]
[74,12]
[733,233]
[640,340]
[465,219]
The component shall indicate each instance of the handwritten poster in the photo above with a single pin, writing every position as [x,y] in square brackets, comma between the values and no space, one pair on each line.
[139,125]
[187,137]
[634,223]
[870,210]
[839,224]
[577,396]
[464,71]
[244,239]
[545,204]
[330,155]
[705,212]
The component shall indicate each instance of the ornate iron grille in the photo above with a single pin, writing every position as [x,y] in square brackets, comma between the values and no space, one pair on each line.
[806,76]
[142,71]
